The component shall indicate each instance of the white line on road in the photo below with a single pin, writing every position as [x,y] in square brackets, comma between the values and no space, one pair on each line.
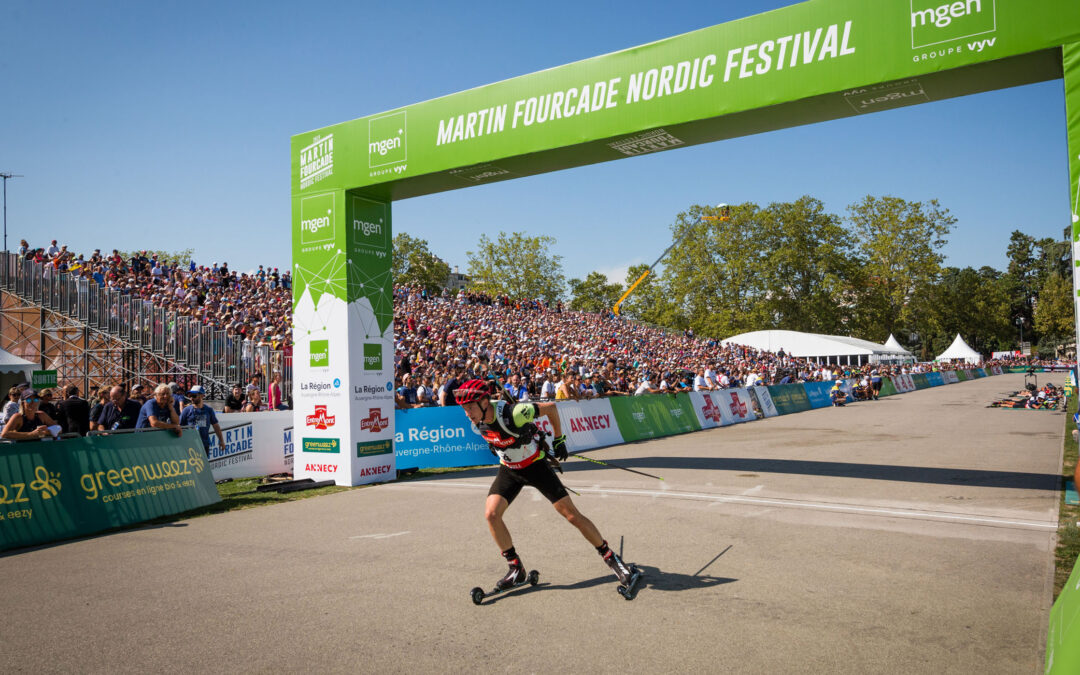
[379,536]
[843,508]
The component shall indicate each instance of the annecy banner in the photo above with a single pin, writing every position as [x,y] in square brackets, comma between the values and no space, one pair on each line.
[61,489]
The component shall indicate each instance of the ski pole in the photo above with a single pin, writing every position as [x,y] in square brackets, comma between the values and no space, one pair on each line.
[615,466]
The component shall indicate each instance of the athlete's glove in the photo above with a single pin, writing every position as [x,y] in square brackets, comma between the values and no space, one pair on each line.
[558,448]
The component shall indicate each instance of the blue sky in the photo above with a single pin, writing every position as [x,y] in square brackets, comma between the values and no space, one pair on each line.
[166,125]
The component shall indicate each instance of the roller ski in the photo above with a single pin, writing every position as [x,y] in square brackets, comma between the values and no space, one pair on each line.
[514,578]
[629,574]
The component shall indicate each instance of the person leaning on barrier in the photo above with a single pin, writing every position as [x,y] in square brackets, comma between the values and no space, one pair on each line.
[120,412]
[160,412]
[47,406]
[73,412]
[29,423]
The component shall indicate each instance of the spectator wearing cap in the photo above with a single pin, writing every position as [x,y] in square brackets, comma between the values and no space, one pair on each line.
[137,394]
[73,413]
[29,423]
[235,400]
[120,412]
[160,411]
[202,417]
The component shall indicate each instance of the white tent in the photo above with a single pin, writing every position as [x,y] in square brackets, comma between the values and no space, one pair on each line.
[822,348]
[892,343]
[959,351]
[11,364]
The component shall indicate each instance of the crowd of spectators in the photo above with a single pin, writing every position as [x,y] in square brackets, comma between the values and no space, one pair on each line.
[254,306]
[540,352]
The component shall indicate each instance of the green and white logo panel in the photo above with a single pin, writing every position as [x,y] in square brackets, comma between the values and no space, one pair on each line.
[934,22]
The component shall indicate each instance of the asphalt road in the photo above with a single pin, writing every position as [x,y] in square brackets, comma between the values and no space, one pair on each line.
[910,535]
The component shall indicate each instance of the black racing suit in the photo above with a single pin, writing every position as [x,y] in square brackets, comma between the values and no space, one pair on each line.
[520,446]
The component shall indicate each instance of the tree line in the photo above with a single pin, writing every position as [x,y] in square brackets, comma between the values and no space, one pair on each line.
[795,266]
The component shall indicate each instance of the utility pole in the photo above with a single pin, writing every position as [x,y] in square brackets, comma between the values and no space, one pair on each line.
[5,176]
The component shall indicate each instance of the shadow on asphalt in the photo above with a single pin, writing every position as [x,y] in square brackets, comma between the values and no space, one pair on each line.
[96,535]
[654,579]
[904,474]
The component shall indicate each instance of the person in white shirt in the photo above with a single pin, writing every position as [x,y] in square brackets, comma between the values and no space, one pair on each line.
[645,387]
[711,379]
[547,389]
[700,384]
[725,381]
[752,379]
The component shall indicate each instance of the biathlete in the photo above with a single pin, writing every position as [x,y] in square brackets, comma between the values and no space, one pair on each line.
[512,434]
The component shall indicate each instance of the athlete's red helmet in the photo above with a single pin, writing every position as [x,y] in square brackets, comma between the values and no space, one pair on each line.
[472,390]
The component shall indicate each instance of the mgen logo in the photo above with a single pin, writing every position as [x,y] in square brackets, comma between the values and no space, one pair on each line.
[319,352]
[372,356]
[387,139]
[317,219]
[374,422]
[320,420]
[934,22]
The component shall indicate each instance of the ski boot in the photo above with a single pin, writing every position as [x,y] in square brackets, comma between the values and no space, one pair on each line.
[629,575]
[515,577]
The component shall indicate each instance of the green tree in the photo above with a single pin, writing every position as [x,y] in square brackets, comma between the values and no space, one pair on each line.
[518,265]
[807,257]
[594,293]
[1022,278]
[714,276]
[973,303]
[1054,318]
[413,264]
[899,249]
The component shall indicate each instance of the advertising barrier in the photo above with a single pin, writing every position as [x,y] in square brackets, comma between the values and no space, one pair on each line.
[979,372]
[887,387]
[708,410]
[920,380]
[996,370]
[962,375]
[818,394]
[654,416]
[427,438]
[768,408]
[588,424]
[935,379]
[950,377]
[1063,640]
[789,398]
[738,403]
[256,444]
[61,489]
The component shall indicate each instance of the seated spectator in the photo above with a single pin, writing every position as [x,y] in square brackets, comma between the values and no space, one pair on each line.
[29,423]
[839,398]
[235,400]
[120,412]
[138,394]
[516,389]
[254,402]
[160,411]
[405,396]
[74,412]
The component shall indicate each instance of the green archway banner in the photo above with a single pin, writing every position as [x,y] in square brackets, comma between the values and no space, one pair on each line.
[814,61]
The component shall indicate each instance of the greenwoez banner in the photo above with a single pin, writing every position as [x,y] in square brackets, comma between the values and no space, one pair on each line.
[809,62]
[887,387]
[1063,641]
[920,380]
[61,489]
[653,416]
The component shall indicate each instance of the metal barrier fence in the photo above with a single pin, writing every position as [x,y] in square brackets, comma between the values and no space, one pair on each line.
[219,359]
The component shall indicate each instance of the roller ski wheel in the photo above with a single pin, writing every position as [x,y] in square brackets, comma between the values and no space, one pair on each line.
[479,595]
[627,589]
